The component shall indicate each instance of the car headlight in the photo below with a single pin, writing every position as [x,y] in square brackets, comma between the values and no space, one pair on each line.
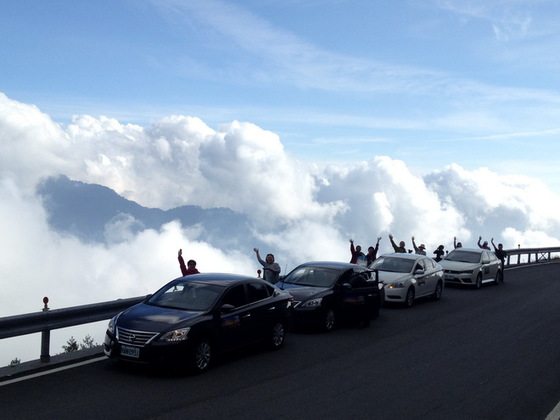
[112,324]
[396,285]
[176,335]
[312,303]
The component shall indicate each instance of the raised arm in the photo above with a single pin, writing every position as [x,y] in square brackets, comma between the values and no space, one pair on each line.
[182,262]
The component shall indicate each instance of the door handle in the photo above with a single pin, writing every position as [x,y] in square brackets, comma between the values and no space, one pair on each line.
[246,316]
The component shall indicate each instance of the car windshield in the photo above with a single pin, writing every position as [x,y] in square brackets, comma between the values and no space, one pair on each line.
[312,276]
[463,256]
[187,295]
[393,264]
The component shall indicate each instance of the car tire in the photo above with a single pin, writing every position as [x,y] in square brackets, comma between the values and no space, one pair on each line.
[478,283]
[277,335]
[439,291]
[201,356]
[409,299]
[329,320]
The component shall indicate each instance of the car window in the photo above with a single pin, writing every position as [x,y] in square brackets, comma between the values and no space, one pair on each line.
[393,264]
[463,256]
[419,265]
[235,296]
[429,263]
[312,276]
[257,291]
[359,278]
[187,295]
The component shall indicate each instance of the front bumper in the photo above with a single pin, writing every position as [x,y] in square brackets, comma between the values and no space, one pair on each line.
[458,278]
[152,353]
[395,294]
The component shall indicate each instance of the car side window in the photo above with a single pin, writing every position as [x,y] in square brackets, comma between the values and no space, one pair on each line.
[419,265]
[235,296]
[359,279]
[257,291]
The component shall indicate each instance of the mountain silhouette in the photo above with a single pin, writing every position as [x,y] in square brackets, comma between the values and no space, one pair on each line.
[87,211]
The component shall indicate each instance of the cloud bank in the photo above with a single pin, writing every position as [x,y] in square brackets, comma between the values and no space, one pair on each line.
[302,211]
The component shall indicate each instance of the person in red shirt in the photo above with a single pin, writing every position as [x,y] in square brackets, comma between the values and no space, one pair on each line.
[190,268]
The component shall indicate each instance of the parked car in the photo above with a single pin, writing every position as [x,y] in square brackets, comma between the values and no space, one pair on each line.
[325,293]
[191,318]
[472,267]
[407,277]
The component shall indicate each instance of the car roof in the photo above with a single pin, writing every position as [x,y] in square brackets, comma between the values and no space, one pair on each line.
[221,279]
[330,264]
[404,256]
[476,250]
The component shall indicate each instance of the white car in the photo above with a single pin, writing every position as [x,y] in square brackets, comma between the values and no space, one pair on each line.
[407,277]
[472,267]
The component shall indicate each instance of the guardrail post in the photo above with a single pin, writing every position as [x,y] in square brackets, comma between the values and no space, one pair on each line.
[45,337]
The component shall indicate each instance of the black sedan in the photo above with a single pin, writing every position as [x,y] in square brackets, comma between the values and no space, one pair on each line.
[328,292]
[191,318]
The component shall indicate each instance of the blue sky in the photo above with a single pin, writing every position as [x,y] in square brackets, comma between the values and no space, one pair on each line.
[428,82]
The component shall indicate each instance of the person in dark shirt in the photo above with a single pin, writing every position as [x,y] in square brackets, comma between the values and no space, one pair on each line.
[456,244]
[190,268]
[439,253]
[501,254]
[372,252]
[401,248]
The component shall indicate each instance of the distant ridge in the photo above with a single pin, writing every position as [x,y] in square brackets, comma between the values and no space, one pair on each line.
[84,210]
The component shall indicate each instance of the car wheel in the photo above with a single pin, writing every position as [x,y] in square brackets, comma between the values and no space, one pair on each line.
[201,356]
[439,291]
[478,284]
[409,300]
[277,335]
[329,320]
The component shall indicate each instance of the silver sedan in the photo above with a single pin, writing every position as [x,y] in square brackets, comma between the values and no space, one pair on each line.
[407,277]
[472,267]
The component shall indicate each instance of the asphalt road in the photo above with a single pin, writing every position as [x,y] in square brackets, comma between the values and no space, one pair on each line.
[492,353]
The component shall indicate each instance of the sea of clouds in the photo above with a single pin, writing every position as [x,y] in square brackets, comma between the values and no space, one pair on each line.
[303,211]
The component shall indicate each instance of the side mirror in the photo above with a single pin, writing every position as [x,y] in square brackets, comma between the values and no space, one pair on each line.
[419,272]
[147,297]
[227,307]
[346,286]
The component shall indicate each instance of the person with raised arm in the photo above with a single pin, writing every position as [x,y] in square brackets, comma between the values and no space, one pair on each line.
[401,248]
[188,269]
[271,269]
[420,250]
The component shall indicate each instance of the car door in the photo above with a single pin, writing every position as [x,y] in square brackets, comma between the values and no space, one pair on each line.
[262,308]
[356,293]
[431,275]
[421,277]
[487,266]
[235,317]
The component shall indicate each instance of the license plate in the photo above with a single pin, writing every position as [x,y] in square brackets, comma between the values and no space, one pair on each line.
[130,351]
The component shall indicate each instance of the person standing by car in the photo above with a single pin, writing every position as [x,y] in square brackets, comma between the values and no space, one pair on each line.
[483,245]
[358,257]
[372,252]
[420,250]
[401,249]
[501,254]
[439,253]
[271,269]
[456,244]
[190,268]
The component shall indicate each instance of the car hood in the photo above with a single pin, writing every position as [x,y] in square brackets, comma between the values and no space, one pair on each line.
[389,277]
[458,265]
[303,292]
[144,317]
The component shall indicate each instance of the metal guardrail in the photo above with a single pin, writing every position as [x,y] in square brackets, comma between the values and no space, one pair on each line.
[48,320]
[525,256]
